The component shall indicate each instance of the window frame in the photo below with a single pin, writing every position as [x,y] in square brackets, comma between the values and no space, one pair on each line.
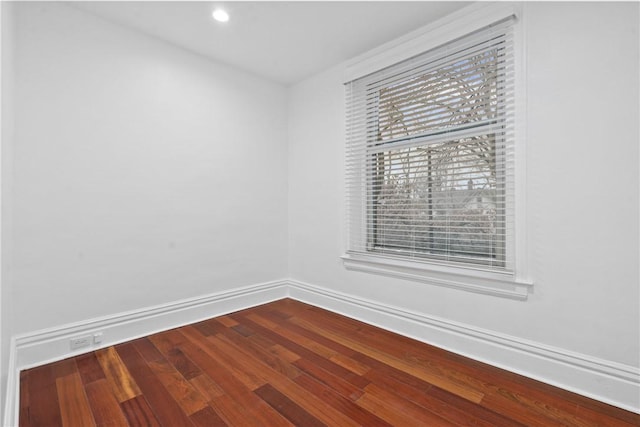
[516,283]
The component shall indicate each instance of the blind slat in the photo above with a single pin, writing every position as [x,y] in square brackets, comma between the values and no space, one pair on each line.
[429,164]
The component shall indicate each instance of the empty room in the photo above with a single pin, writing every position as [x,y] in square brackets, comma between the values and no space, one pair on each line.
[332,213]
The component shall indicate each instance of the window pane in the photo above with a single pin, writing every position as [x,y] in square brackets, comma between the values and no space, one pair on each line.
[464,92]
[438,199]
[430,156]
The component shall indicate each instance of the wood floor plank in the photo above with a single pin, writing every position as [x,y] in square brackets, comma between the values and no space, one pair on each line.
[607,417]
[227,321]
[104,405]
[207,417]
[211,346]
[272,347]
[340,403]
[480,376]
[350,364]
[434,361]
[311,403]
[290,306]
[24,398]
[243,330]
[207,387]
[449,403]
[293,336]
[119,377]
[511,396]
[396,410]
[253,411]
[283,352]
[462,370]
[337,347]
[272,310]
[74,405]
[147,350]
[307,353]
[43,398]
[165,408]
[168,340]
[307,401]
[531,411]
[444,383]
[338,384]
[289,409]
[446,405]
[229,354]
[233,412]
[342,354]
[266,354]
[189,399]
[550,410]
[64,367]
[208,327]
[285,386]
[288,363]
[183,364]
[89,368]
[385,340]
[139,413]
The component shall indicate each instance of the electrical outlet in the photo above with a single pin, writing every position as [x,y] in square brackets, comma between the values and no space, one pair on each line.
[97,338]
[79,342]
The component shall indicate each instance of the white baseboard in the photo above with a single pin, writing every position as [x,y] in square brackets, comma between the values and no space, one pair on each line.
[52,344]
[606,381]
[12,393]
[603,380]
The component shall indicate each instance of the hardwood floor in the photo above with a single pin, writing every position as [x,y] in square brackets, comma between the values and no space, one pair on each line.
[288,363]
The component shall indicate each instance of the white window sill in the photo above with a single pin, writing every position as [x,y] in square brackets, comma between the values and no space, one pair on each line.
[503,285]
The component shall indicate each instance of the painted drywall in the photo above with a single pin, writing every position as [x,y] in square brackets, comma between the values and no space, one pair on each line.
[6,138]
[582,191]
[143,174]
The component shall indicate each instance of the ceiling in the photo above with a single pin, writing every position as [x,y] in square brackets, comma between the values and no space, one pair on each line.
[282,41]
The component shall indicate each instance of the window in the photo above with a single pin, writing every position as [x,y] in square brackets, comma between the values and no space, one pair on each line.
[430,156]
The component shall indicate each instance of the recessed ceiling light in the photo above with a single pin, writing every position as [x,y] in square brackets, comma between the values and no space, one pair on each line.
[220,15]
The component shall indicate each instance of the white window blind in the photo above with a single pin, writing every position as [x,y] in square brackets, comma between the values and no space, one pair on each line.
[430,155]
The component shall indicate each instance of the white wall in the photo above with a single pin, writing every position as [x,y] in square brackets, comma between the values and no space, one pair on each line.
[143,174]
[582,191]
[6,140]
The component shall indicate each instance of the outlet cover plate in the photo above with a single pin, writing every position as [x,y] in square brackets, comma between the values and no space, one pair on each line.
[80,342]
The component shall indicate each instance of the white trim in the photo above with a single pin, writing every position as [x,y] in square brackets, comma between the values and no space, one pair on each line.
[517,285]
[610,382]
[603,380]
[450,27]
[478,281]
[3,391]
[12,398]
[52,344]
[522,253]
